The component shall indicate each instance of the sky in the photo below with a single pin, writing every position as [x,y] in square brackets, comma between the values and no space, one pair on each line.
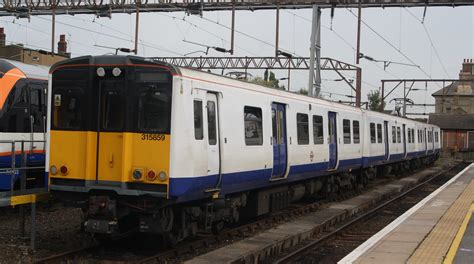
[435,48]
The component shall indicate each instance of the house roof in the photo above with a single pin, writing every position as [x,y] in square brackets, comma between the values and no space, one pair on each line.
[453,121]
[464,88]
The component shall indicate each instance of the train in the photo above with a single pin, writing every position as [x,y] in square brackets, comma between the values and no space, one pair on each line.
[23,96]
[144,145]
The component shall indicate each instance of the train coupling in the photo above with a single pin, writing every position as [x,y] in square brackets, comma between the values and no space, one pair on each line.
[101,226]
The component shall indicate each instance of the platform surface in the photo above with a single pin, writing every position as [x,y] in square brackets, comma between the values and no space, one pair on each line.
[439,229]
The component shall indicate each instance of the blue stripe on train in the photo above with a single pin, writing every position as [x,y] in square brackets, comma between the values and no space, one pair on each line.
[6,175]
[190,188]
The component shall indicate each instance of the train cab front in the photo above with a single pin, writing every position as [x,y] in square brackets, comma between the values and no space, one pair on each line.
[110,136]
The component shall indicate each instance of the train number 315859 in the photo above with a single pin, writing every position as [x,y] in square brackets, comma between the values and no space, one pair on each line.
[158,137]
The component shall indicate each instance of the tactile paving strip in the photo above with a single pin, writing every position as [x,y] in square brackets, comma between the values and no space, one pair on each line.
[434,247]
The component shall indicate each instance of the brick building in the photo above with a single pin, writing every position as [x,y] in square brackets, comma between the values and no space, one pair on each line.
[31,56]
[454,110]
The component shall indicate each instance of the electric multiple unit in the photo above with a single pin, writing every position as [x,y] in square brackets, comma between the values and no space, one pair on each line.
[22,119]
[147,145]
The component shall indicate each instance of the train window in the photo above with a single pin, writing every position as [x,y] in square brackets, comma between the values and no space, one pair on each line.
[302,128]
[379,133]
[399,135]
[436,137]
[409,135]
[198,131]
[253,126]
[394,135]
[211,123]
[318,135]
[113,112]
[346,129]
[413,135]
[67,112]
[373,137]
[356,131]
[154,111]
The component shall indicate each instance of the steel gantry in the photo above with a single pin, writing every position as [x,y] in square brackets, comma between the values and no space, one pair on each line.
[262,63]
[107,7]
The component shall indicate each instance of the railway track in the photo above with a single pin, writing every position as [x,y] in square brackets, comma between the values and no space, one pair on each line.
[206,242]
[350,234]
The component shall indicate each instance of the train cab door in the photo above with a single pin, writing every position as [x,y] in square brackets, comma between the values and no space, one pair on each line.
[387,150]
[404,141]
[110,131]
[213,150]
[279,141]
[37,123]
[332,128]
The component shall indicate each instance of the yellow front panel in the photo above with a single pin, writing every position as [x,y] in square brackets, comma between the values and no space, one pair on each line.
[119,155]
[110,156]
[76,150]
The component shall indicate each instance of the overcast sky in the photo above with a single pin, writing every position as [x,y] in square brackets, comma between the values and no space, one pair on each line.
[451,31]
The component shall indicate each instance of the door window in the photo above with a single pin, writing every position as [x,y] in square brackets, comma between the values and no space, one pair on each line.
[211,122]
[198,131]
[318,129]
[113,111]
[346,129]
[379,133]
[356,129]
[373,137]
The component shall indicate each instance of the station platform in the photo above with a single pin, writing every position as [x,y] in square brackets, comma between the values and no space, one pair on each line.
[439,229]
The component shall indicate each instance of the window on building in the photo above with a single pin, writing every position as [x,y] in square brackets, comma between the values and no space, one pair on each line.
[253,126]
[379,133]
[302,128]
[399,135]
[346,129]
[198,131]
[373,137]
[394,134]
[356,131]
[318,129]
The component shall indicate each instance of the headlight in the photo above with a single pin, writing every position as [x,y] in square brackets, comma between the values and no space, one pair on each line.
[53,170]
[137,175]
[162,176]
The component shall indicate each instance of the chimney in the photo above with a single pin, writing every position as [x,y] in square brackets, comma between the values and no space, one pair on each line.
[62,45]
[467,71]
[3,37]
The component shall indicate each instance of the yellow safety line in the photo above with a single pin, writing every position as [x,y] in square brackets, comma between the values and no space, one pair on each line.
[457,240]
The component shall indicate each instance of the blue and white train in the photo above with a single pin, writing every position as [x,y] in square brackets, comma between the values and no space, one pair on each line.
[147,145]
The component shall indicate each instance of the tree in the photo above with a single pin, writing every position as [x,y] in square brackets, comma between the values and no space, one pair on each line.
[268,80]
[303,91]
[375,101]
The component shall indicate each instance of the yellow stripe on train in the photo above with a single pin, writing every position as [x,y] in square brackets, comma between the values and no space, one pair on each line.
[120,154]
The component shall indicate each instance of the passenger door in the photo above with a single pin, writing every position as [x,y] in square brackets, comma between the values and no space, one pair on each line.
[110,127]
[213,152]
[279,141]
[387,150]
[332,128]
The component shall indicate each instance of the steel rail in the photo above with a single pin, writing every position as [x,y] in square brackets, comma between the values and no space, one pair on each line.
[291,256]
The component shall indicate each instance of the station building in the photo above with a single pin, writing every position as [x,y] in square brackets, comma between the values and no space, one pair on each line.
[454,111]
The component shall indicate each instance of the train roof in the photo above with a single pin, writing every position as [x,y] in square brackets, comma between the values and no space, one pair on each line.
[29,70]
[198,74]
